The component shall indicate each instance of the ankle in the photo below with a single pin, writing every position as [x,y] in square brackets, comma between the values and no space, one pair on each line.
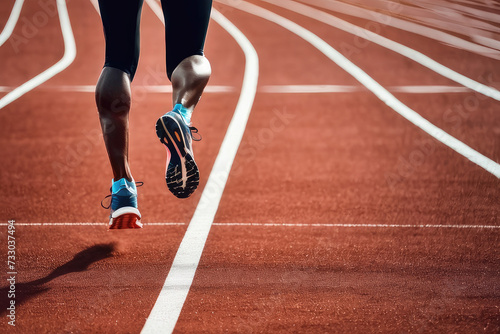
[186,113]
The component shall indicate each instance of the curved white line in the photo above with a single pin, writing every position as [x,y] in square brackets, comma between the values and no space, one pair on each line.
[487,15]
[412,27]
[488,5]
[12,21]
[434,16]
[168,306]
[384,95]
[387,43]
[66,60]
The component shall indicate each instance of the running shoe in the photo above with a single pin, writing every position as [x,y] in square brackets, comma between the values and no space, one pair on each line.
[124,213]
[182,173]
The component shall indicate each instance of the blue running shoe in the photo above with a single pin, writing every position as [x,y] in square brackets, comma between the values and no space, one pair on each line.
[124,213]
[182,173]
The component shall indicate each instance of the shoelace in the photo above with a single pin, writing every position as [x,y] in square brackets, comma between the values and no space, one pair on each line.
[137,185]
[194,131]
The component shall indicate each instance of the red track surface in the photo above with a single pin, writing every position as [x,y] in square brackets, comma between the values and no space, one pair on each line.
[306,161]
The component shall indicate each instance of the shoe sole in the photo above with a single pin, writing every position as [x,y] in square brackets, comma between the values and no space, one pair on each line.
[125,221]
[125,218]
[182,173]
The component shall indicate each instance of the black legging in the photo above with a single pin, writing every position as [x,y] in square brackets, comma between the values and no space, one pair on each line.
[186,23]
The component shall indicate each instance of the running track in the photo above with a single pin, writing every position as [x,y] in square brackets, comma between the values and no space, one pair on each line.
[363,196]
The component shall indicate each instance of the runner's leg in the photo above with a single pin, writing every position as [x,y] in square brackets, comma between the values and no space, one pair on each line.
[120,20]
[186,24]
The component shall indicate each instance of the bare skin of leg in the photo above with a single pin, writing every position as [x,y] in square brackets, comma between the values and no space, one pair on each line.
[189,79]
[113,99]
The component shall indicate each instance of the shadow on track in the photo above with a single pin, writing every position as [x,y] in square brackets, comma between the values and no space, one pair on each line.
[80,262]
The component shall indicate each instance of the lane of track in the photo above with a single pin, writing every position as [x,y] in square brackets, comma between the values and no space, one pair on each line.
[464,62]
[325,164]
[412,150]
[409,26]
[254,278]
[393,46]
[263,279]
[66,147]
[470,117]
[377,89]
[168,306]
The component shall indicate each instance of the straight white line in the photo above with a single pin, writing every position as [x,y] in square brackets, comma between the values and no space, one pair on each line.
[11,22]
[412,27]
[208,89]
[66,60]
[278,89]
[386,43]
[149,89]
[414,89]
[362,225]
[431,89]
[71,224]
[367,81]
[436,226]
[169,304]
[165,224]
[309,89]
[26,224]
[89,224]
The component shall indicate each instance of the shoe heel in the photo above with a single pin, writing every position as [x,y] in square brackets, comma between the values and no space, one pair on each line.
[125,221]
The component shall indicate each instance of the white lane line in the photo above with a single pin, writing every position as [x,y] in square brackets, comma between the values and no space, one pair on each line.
[278,89]
[451,20]
[485,40]
[414,89]
[488,5]
[149,89]
[448,6]
[11,22]
[361,225]
[386,43]
[431,89]
[412,27]
[169,304]
[294,89]
[208,89]
[367,81]
[105,224]
[66,60]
